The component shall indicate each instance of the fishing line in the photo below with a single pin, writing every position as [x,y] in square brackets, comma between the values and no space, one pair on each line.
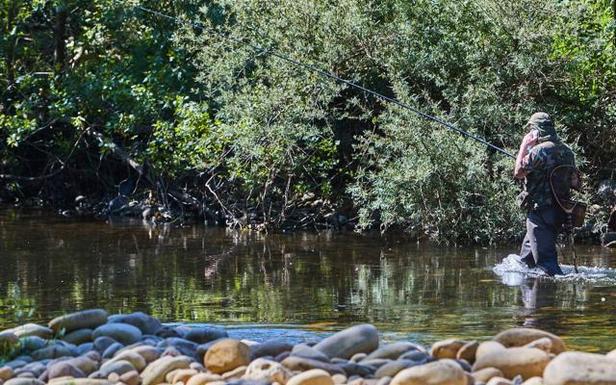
[335,77]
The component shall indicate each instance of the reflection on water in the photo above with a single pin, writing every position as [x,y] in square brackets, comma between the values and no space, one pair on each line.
[295,282]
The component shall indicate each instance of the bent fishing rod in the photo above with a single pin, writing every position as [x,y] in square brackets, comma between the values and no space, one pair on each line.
[323,73]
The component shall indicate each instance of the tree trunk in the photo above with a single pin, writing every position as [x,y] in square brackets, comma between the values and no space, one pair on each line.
[60,31]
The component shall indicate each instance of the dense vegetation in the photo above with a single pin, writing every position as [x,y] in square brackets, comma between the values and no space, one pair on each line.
[98,96]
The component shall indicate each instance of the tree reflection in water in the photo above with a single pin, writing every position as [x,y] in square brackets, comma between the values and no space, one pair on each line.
[320,281]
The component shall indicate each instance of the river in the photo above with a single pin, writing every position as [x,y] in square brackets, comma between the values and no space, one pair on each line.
[292,286]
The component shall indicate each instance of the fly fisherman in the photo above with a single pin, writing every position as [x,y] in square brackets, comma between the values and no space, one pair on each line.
[540,153]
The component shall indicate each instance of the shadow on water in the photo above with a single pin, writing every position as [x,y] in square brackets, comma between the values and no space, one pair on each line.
[288,285]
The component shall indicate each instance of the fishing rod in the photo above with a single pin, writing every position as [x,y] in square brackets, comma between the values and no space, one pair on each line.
[337,78]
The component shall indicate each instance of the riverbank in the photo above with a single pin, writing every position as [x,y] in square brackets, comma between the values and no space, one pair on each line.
[92,347]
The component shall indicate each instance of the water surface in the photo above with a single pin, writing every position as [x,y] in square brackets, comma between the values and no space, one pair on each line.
[296,286]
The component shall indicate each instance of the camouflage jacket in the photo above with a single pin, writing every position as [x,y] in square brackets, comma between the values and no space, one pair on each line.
[541,160]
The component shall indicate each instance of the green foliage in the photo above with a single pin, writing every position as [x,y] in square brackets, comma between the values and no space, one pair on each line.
[274,141]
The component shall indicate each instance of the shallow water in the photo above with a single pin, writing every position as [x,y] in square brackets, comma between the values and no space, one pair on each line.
[295,286]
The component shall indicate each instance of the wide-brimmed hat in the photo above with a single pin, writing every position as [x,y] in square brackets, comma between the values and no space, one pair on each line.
[542,122]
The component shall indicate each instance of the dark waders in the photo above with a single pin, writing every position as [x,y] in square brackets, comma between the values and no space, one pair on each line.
[539,245]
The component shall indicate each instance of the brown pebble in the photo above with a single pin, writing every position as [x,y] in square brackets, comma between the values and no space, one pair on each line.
[131,378]
[113,377]
[6,372]
[467,352]
[339,378]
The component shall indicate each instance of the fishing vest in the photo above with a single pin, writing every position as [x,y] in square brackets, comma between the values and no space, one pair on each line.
[546,176]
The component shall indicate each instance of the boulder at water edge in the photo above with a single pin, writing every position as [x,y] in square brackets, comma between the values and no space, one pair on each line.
[526,362]
[312,377]
[31,329]
[124,333]
[344,344]
[226,355]
[144,322]
[522,336]
[443,372]
[575,368]
[87,319]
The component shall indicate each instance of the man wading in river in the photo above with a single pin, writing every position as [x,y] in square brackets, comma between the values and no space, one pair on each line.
[541,151]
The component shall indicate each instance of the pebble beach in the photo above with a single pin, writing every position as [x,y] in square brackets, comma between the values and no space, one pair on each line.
[91,347]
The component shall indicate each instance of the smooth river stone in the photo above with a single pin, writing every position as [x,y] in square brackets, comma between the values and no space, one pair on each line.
[131,356]
[611,354]
[443,372]
[312,377]
[102,343]
[112,350]
[392,351]
[8,338]
[522,336]
[6,372]
[357,339]
[64,369]
[226,355]
[51,352]
[203,378]
[87,319]
[24,381]
[576,368]
[526,362]
[144,322]
[270,348]
[271,371]
[484,375]
[31,329]
[78,336]
[467,352]
[447,348]
[32,343]
[354,369]
[305,351]
[81,381]
[488,347]
[124,333]
[204,335]
[118,366]
[390,369]
[156,371]
[303,364]
[187,348]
